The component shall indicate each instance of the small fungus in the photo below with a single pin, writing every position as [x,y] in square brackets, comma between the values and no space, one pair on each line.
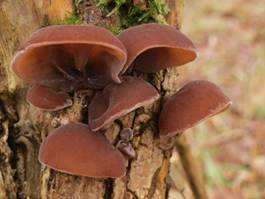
[126,134]
[126,148]
[47,98]
[124,145]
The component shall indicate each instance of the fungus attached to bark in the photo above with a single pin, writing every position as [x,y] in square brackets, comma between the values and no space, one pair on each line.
[117,100]
[126,148]
[193,103]
[126,134]
[152,47]
[74,149]
[71,52]
[47,98]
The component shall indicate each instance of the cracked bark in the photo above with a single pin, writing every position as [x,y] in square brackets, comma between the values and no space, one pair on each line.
[23,127]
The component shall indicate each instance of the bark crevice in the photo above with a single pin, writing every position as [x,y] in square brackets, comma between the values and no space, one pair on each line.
[108,188]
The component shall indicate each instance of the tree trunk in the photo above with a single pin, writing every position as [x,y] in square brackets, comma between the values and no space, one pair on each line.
[23,127]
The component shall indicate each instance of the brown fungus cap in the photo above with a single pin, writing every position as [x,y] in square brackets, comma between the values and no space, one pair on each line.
[55,50]
[152,47]
[193,103]
[47,98]
[117,100]
[74,149]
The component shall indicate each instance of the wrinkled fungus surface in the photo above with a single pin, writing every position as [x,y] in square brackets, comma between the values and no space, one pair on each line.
[57,60]
[70,52]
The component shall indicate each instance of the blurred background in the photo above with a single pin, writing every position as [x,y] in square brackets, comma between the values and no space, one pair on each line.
[230,37]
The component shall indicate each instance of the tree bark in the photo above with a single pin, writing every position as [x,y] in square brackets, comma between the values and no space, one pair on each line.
[23,127]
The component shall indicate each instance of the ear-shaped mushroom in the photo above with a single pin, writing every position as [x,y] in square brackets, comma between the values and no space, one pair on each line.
[74,149]
[117,100]
[61,51]
[193,103]
[152,47]
[47,98]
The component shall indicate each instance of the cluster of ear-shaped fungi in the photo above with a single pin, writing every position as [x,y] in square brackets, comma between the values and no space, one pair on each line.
[59,59]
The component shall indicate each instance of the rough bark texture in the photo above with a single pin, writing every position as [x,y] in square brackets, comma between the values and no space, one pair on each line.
[23,127]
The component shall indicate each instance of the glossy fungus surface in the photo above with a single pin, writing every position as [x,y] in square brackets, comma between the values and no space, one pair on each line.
[152,47]
[117,100]
[192,104]
[47,98]
[73,52]
[74,149]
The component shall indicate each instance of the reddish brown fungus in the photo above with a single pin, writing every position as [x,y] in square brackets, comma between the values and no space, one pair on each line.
[74,149]
[47,98]
[117,100]
[152,47]
[71,52]
[192,104]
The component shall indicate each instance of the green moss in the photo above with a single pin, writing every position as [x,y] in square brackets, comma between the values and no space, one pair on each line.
[115,29]
[131,15]
[70,18]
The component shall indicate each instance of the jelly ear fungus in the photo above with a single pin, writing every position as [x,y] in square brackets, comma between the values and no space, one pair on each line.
[75,149]
[48,99]
[117,100]
[56,52]
[153,47]
[193,103]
